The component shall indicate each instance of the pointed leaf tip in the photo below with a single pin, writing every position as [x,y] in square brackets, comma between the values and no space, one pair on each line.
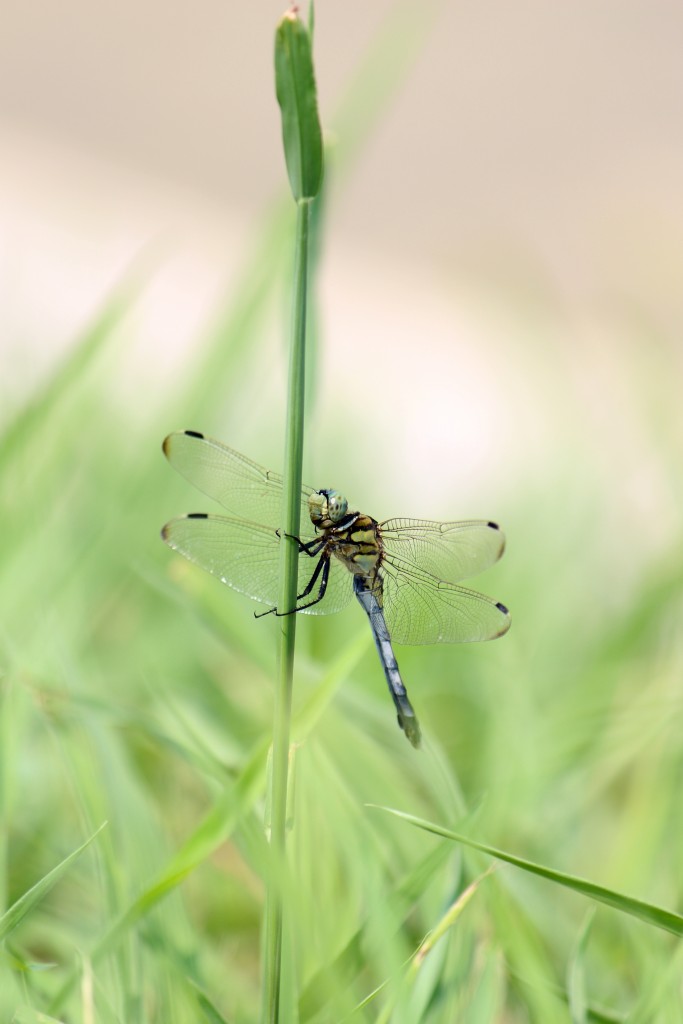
[297,96]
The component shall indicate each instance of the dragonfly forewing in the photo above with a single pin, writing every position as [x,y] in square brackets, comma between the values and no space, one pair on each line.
[241,486]
[449,551]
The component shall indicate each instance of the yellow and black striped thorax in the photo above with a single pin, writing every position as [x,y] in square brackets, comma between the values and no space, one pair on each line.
[356,542]
[352,537]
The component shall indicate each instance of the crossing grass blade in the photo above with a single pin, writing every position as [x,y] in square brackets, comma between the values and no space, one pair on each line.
[651,914]
[576,979]
[21,907]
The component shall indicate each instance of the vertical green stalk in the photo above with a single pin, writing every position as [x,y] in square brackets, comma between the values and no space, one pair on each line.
[302,140]
[6,760]
[289,561]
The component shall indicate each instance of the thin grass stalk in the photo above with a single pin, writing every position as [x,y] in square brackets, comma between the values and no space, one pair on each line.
[7,759]
[289,560]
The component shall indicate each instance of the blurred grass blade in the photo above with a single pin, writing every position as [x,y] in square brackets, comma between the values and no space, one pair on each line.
[419,986]
[667,920]
[80,356]
[576,975]
[27,1015]
[16,913]
[350,964]
[311,711]
[296,93]
[209,1010]
[447,921]
[427,979]
[224,817]
[214,829]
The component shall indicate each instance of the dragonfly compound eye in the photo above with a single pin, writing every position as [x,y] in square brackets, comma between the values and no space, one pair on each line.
[337,506]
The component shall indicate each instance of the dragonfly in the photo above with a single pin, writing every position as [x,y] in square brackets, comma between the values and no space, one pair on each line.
[405,573]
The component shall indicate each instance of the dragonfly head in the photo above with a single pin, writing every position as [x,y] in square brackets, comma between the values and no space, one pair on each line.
[327,507]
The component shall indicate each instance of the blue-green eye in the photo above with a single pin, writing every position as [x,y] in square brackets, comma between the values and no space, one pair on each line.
[337,506]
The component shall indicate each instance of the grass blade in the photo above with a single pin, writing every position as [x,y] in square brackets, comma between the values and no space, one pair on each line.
[651,914]
[18,911]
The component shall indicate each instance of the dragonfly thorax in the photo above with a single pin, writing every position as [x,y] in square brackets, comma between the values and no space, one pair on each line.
[327,507]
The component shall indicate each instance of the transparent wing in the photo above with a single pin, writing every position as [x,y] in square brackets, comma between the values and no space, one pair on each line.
[246,556]
[420,609]
[238,484]
[448,551]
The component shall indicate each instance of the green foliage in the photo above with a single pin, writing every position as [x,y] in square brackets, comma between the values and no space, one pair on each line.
[26,903]
[657,916]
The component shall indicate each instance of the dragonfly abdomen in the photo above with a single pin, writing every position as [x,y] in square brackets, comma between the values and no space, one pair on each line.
[368,593]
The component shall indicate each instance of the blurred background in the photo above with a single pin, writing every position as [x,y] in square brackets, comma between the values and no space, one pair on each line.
[498,328]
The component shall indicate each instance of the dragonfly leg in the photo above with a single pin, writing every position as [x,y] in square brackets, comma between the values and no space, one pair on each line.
[311,547]
[323,567]
[322,589]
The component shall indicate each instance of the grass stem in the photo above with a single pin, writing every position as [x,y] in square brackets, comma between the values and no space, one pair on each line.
[288,589]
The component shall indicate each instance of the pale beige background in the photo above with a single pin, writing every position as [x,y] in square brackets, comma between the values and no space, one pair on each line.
[514,221]
[528,118]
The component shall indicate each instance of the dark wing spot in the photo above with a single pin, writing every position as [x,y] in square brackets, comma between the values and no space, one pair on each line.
[494,526]
[194,433]
[501,608]
[203,515]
